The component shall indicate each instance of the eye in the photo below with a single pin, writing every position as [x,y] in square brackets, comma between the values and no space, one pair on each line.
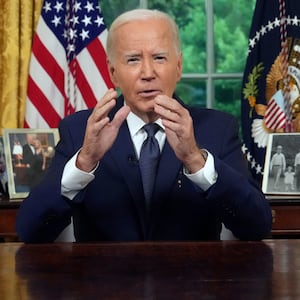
[160,58]
[132,60]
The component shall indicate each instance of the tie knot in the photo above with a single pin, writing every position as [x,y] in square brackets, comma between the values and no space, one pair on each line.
[151,129]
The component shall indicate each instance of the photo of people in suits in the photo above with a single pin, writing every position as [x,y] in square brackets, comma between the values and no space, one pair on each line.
[30,154]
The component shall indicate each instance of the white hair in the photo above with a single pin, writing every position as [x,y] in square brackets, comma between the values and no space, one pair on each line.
[135,15]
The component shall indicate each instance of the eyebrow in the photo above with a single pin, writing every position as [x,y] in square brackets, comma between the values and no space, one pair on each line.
[130,55]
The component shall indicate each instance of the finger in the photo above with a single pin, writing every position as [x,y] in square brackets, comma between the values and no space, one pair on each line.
[168,108]
[120,116]
[109,95]
[168,103]
[166,114]
[102,108]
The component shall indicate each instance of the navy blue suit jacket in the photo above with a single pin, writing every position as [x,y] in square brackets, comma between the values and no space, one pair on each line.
[111,207]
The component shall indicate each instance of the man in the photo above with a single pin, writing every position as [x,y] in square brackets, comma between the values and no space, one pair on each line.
[28,149]
[3,172]
[95,177]
[28,159]
[297,170]
[277,166]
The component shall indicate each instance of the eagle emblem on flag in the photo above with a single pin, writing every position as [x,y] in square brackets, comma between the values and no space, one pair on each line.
[271,84]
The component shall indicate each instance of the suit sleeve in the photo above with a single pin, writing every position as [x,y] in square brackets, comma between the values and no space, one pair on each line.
[240,203]
[45,212]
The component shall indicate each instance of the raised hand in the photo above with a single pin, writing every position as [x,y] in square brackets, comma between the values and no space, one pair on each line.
[101,132]
[180,132]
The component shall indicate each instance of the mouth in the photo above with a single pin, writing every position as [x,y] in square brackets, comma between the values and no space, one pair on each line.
[149,93]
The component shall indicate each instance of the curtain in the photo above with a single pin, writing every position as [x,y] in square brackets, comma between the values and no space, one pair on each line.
[17,24]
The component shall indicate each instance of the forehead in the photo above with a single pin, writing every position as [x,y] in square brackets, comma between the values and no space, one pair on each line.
[144,32]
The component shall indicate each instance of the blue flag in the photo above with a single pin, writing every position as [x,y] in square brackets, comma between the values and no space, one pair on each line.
[271,84]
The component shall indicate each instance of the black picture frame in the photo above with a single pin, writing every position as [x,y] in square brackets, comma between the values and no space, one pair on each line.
[281,174]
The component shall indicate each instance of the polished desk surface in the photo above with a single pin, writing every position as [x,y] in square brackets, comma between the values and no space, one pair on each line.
[193,270]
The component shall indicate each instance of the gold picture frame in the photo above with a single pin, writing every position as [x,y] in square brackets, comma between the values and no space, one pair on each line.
[282,165]
[28,153]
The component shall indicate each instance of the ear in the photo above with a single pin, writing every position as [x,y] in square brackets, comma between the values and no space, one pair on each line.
[179,66]
[111,70]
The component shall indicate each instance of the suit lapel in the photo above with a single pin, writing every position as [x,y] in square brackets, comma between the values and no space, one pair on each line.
[123,153]
[168,169]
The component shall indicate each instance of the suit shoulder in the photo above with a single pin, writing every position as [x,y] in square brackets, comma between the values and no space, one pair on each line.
[79,116]
[210,115]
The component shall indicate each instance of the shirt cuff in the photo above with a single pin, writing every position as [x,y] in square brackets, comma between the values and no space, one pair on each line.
[73,179]
[205,177]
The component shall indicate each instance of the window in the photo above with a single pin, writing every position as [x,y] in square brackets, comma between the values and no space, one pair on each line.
[214,36]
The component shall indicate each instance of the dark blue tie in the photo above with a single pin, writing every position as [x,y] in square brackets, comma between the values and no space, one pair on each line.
[149,157]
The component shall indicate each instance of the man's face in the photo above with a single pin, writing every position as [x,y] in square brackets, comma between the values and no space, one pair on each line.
[145,64]
[30,138]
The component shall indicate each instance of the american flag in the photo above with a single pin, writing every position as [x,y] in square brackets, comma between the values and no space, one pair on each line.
[68,70]
[275,115]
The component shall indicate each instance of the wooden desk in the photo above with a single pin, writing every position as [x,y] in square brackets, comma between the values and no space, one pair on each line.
[202,270]
[8,212]
[286,218]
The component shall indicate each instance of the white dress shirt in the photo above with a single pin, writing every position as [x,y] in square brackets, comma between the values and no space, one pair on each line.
[74,180]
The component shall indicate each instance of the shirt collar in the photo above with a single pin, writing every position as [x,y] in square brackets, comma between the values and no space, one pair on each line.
[135,123]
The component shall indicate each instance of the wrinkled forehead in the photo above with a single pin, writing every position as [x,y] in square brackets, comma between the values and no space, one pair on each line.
[139,35]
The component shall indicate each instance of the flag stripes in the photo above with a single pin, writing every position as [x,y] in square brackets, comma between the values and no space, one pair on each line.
[275,118]
[57,88]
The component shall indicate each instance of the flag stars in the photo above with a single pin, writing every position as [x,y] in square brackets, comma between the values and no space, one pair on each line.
[58,6]
[74,20]
[89,6]
[99,21]
[71,48]
[84,34]
[295,20]
[253,163]
[77,6]
[47,7]
[72,33]
[244,148]
[257,35]
[263,30]
[86,20]
[251,43]
[56,21]
[277,22]
[259,169]
[249,156]
[270,25]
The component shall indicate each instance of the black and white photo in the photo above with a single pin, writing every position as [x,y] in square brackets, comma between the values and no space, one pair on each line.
[282,164]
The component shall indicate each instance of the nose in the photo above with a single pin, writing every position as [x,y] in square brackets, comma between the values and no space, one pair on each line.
[148,72]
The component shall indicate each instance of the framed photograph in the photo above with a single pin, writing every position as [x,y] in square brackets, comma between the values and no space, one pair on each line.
[282,165]
[3,171]
[28,153]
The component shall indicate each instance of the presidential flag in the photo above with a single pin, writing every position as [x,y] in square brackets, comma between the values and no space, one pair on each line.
[271,84]
[68,70]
